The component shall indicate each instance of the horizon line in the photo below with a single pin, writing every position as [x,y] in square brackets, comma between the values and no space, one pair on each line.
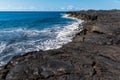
[54,10]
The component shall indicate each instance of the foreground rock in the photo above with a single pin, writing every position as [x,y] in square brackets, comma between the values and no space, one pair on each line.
[94,53]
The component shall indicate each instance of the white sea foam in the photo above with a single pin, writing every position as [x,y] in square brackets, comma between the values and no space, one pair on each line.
[58,37]
[2,46]
[68,16]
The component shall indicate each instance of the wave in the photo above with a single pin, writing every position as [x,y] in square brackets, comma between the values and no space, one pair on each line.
[22,40]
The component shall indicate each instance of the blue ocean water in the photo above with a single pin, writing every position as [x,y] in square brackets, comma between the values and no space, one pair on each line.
[22,32]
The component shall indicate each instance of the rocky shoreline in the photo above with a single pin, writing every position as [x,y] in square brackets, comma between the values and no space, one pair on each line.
[94,53]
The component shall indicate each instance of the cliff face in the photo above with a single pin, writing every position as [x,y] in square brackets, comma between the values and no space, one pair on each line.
[94,53]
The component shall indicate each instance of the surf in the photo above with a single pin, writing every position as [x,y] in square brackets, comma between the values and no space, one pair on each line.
[23,40]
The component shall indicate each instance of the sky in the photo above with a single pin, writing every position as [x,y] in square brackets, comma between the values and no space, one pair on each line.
[57,5]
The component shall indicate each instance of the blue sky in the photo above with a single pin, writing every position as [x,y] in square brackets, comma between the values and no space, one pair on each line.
[61,5]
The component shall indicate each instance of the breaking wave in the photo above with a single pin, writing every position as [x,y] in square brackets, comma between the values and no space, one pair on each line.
[22,40]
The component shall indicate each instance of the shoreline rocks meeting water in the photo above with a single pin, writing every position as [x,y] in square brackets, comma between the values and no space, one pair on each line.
[94,53]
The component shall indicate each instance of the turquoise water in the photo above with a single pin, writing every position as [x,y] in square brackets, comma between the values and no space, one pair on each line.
[22,32]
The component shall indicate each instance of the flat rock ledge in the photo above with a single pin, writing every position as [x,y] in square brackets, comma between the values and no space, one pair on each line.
[94,53]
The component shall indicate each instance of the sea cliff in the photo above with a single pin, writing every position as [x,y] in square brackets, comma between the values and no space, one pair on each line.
[94,53]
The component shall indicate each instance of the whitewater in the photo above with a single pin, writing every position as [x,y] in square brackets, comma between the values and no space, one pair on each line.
[21,40]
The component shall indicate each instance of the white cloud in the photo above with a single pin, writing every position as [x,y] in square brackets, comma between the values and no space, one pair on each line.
[62,8]
[69,7]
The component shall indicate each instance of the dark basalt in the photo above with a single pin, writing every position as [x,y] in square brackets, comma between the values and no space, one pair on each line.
[94,53]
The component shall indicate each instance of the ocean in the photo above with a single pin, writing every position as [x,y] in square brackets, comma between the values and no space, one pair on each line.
[22,32]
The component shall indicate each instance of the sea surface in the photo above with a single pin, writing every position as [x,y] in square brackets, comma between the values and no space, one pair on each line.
[22,32]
